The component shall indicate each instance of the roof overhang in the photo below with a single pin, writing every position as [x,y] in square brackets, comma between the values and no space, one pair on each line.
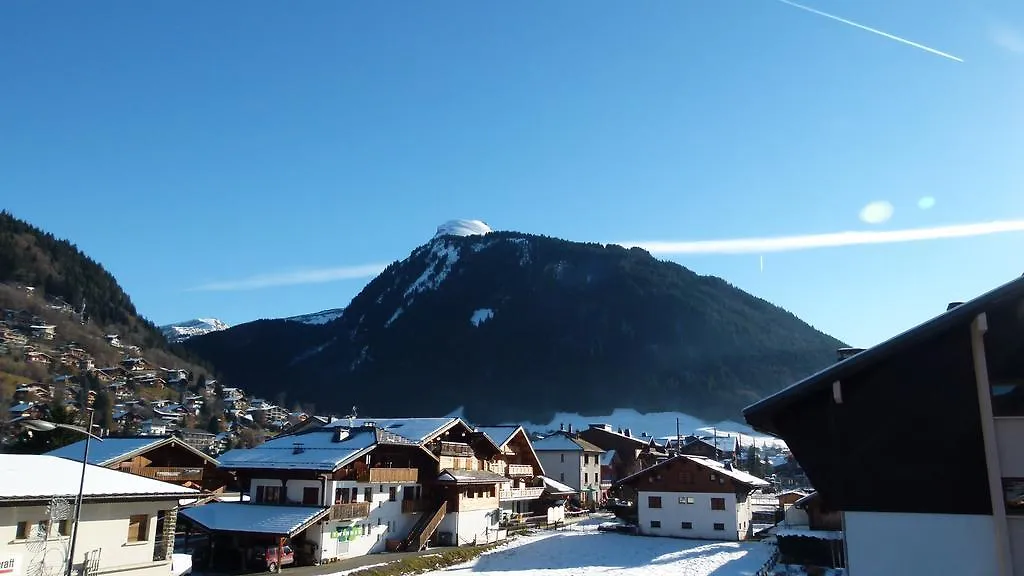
[761,414]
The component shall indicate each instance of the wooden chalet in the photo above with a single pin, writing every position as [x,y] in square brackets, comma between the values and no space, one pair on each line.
[160,457]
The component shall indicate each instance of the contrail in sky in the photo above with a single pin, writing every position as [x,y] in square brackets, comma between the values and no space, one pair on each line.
[314,276]
[829,240]
[873,30]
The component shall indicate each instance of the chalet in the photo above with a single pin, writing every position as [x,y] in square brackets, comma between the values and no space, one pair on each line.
[518,462]
[572,461]
[354,487]
[43,331]
[153,428]
[694,497]
[126,521]
[953,388]
[714,447]
[113,339]
[631,454]
[25,410]
[199,439]
[38,358]
[163,458]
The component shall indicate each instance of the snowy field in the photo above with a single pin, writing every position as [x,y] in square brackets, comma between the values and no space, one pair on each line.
[584,550]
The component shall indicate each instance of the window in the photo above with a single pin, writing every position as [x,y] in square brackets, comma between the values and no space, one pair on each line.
[43,528]
[686,499]
[269,494]
[64,528]
[687,526]
[137,526]
[310,496]
[718,503]
[586,478]
[355,494]
[562,457]
[686,477]
[22,531]
[368,494]
[655,523]
[392,494]
[719,526]
[654,501]
[561,476]
[337,495]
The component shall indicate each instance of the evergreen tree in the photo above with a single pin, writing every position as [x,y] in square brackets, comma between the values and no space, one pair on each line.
[213,426]
[753,463]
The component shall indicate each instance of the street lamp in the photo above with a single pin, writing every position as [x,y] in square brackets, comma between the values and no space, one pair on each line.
[47,426]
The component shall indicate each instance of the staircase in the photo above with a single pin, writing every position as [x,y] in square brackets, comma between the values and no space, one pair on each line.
[424,529]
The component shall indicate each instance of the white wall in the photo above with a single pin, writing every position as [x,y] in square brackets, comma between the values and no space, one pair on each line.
[385,521]
[103,526]
[672,514]
[471,525]
[898,544]
[564,466]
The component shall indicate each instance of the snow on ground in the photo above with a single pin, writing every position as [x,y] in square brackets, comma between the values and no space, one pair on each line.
[480,316]
[571,552]
[181,564]
[656,424]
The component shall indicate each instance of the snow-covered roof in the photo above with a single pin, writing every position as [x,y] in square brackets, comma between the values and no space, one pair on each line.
[463,228]
[607,457]
[254,518]
[35,477]
[416,430]
[563,442]
[806,532]
[21,407]
[730,471]
[318,451]
[555,487]
[110,450]
[471,477]
[500,435]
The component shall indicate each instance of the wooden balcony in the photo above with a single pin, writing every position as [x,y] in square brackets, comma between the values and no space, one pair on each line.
[520,470]
[388,475]
[350,510]
[170,473]
[455,449]
[520,493]
[414,506]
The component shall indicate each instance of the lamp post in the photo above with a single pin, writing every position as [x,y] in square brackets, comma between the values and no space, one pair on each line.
[47,426]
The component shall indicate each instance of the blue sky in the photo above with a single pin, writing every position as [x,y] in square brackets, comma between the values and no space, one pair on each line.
[183,144]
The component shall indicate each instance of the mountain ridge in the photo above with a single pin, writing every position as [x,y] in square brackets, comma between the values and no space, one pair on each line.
[576,324]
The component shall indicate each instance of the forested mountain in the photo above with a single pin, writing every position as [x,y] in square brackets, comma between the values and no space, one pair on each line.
[514,326]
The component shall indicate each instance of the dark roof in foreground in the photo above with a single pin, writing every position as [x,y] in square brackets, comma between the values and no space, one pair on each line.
[759,414]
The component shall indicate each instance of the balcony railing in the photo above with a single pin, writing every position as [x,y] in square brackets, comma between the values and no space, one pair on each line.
[388,475]
[455,449]
[414,506]
[350,510]
[520,470]
[170,473]
[520,493]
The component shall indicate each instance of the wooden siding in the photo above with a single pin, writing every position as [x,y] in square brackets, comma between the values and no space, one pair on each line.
[684,475]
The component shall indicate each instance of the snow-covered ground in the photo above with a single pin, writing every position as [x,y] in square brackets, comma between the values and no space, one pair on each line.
[584,550]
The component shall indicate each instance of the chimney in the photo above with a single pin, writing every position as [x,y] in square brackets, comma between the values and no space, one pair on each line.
[952,305]
[561,427]
[340,434]
[297,448]
[570,427]
[728,465]
[620,430]
[628,432]
[643,434]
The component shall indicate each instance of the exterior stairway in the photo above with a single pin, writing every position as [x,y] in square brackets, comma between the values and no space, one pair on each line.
[424,529]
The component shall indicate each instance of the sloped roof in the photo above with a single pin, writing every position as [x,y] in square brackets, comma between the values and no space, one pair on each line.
[471,477]
[113,449]
[563,442]
[254,518]
[35,477]
[552,486]
[500,435]
[417,430]
[761,413]
[716,466]
[318,451]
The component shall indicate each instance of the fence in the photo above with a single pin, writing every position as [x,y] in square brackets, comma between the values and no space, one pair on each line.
[769,566]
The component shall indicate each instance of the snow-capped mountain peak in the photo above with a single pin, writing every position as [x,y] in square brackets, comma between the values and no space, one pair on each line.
[463,228]
[181,331]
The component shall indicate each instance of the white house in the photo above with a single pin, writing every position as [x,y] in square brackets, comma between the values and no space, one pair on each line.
[353,487]
[126,522]
[572,461]
[694,497]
